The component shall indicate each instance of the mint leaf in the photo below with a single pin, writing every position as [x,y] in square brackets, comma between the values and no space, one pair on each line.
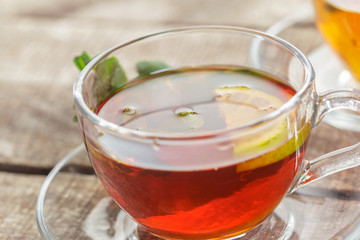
[145,68]
[109,77]
[82,60]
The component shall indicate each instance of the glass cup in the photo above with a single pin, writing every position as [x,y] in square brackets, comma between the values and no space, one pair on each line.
[338,63]
[209,188]
[338,22]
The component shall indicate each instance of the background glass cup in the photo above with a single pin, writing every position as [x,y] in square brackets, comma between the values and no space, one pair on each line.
[338,22]
[338,66]
[143,192]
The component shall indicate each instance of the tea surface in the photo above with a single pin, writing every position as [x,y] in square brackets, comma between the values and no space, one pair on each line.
[195,100]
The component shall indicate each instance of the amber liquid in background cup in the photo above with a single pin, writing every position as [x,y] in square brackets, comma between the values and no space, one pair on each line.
[216,193]
[339,23]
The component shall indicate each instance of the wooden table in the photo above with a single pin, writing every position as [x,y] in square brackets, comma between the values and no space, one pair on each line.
[38,40]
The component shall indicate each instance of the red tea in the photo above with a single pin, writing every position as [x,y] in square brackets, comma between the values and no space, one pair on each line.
[201,189]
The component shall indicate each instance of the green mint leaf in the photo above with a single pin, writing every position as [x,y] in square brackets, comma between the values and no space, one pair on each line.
[145,68]
[109,77]
[75,118]
[82,60]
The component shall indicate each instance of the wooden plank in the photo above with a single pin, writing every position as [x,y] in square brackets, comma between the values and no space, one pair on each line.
[17,208]
[258,14]
[244,13]
[71,199]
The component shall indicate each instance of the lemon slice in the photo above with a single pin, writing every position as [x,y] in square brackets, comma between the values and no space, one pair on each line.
[265,144]
[241,105]
[277,154]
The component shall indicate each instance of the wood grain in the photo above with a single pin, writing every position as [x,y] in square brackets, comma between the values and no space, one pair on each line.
[17,205]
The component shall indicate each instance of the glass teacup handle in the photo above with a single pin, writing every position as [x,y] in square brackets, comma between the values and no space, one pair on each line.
[338,160]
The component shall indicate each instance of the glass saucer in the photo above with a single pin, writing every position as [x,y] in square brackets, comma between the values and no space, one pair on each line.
[330,72]
[72,204]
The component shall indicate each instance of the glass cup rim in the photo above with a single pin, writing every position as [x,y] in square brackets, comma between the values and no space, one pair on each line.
[116,129]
